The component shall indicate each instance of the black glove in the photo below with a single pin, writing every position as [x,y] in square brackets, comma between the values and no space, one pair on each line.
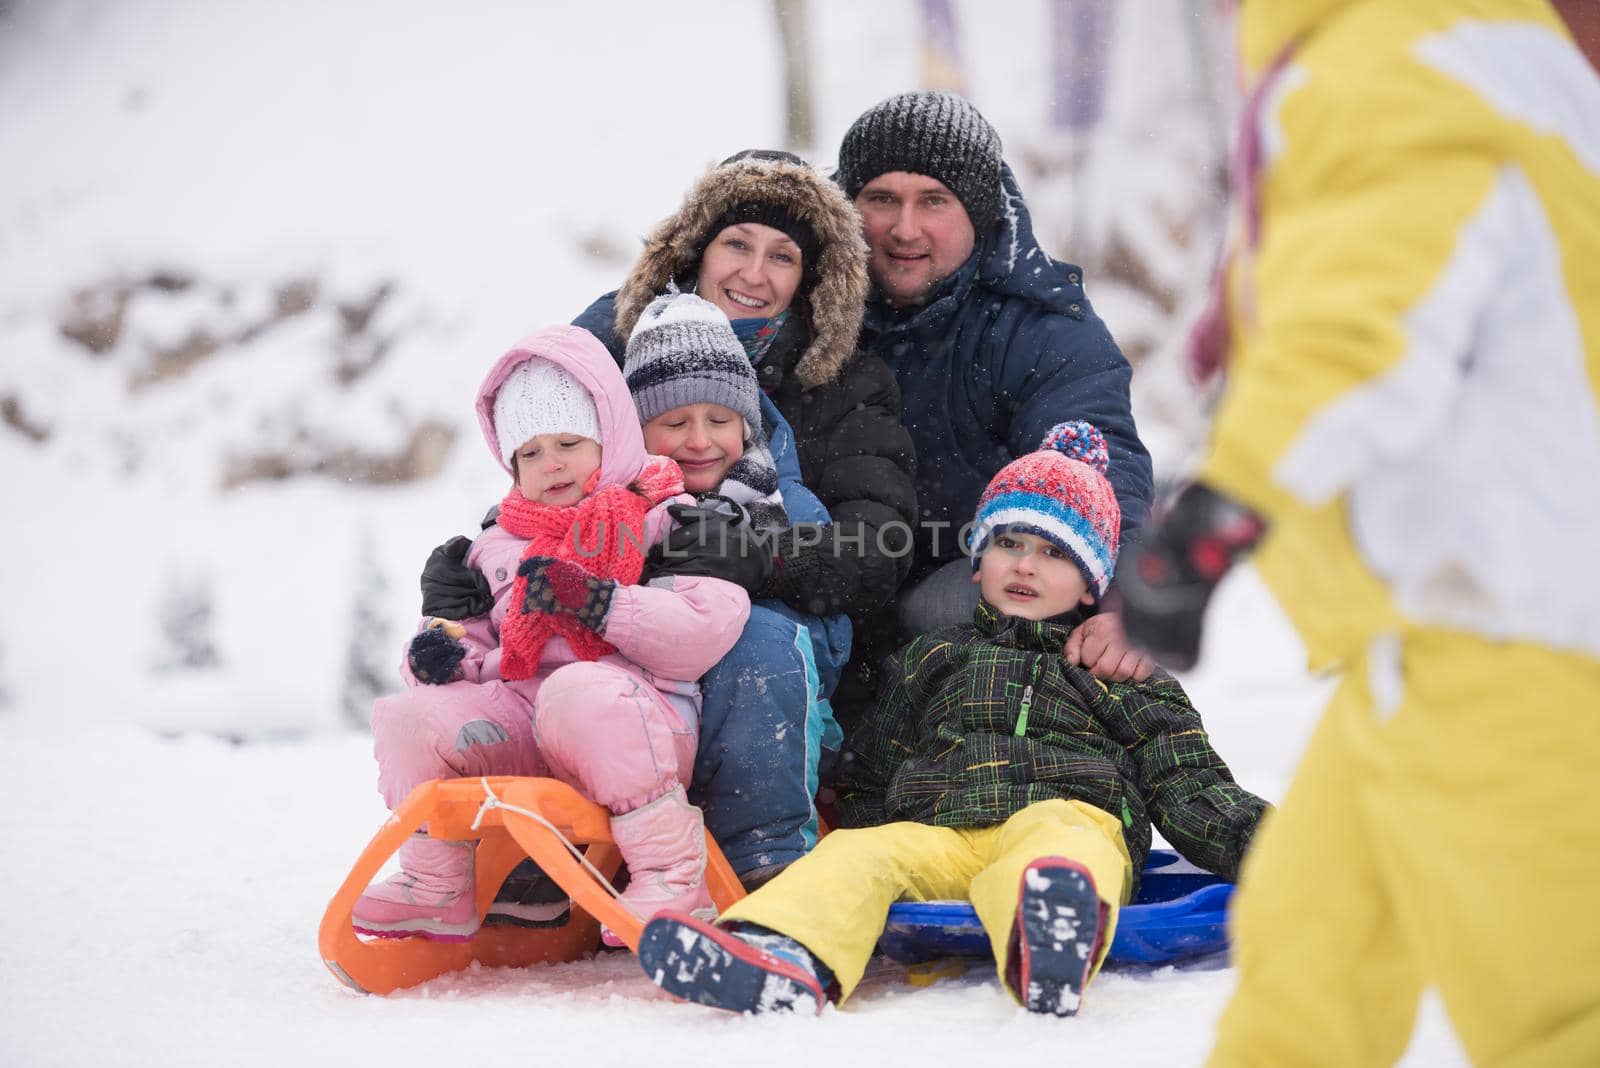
[1165,581]
[451,589]
[434,656]
[711,543]
[561,587]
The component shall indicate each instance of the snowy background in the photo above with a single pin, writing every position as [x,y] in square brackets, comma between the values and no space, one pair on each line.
[254,259]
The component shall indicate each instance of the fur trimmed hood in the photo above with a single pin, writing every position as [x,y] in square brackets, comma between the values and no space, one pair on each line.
[831,309]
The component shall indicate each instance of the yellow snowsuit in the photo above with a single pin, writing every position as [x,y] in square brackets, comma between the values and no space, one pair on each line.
[1414,403]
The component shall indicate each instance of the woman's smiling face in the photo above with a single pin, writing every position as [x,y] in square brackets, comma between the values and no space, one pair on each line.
[750,271]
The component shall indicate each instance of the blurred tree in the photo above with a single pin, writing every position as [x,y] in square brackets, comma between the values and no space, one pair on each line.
[185,619]
[1080,55]
[369,670]
[794,34]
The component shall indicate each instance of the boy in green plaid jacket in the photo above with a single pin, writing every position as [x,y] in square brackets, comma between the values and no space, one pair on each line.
[991,770]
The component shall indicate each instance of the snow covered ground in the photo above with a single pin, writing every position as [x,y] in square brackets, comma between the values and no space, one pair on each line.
[161,898]
[185,790]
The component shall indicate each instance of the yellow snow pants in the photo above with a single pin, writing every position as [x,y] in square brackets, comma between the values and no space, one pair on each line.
[1443,830]
[836,899]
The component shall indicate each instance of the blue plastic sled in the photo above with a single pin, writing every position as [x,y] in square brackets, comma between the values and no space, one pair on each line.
[1180,911]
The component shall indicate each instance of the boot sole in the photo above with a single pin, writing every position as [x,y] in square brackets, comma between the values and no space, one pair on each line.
[692,960]
[515,914]
[1058,914]
[432,932]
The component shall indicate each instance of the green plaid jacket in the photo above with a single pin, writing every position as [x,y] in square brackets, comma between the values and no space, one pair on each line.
[981,721]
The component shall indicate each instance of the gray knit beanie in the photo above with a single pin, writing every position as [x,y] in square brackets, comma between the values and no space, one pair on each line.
[683,351]
[934,133]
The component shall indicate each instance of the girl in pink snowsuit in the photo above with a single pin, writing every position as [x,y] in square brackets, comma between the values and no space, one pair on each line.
[576,673]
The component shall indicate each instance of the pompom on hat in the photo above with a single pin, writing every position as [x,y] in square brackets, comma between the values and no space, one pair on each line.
[1060,494]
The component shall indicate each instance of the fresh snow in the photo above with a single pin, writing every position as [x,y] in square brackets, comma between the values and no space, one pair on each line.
[181,664]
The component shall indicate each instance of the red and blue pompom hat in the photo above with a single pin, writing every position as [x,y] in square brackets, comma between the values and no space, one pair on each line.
[1060,494]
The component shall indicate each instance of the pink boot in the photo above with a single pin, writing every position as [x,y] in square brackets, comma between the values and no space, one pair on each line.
[432,896]
[664,845]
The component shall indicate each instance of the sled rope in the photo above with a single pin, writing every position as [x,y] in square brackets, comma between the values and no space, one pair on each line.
[491,801]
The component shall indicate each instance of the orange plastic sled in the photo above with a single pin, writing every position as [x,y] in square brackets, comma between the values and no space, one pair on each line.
[449,807]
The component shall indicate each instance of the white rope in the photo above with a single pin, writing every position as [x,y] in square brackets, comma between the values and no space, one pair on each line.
[490,801]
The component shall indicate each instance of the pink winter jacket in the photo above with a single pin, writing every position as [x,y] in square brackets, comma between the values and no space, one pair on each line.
[667,634]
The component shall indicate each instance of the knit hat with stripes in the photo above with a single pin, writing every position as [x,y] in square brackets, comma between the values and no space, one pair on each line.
[1060,494]
[683,351]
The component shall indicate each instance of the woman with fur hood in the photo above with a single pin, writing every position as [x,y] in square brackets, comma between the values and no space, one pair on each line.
[778,248]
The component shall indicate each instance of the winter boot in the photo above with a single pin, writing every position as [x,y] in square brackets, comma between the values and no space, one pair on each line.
[432,896]
[529,898]
[741,970]
[1056,941]
[664,845]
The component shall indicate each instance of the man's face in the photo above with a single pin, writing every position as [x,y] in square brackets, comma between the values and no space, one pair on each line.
[918,233]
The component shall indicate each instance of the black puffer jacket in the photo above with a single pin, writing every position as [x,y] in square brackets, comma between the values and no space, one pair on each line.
[843,405]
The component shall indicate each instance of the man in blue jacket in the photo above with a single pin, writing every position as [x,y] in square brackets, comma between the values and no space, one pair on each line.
[992,341]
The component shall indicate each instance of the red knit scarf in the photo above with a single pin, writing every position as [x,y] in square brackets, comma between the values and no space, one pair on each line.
[602,533]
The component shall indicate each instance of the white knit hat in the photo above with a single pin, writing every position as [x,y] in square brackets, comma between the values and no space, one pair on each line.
[539,397]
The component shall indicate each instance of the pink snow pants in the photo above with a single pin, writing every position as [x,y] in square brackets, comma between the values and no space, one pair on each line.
[593,725]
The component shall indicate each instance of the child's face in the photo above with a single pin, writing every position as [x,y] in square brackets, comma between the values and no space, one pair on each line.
[553,468]
[705,439]
[1024,575]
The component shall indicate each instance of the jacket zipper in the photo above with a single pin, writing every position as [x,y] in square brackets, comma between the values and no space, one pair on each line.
[1027,699]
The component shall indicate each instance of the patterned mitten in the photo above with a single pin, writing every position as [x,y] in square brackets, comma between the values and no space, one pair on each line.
[561,587]
[435,654]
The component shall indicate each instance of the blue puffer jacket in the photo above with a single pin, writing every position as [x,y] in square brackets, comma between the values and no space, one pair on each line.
[1006,348]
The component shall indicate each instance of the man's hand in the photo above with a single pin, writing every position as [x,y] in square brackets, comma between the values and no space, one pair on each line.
[1165,582]
[1099,644]
[710,543]
[451,589]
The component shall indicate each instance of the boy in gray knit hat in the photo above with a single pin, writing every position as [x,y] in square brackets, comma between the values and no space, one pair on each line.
[699,403]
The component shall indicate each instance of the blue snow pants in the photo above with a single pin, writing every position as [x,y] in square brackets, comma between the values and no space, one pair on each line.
[766,732]
[766,728]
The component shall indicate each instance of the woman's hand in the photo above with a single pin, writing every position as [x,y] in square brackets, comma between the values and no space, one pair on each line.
[710,543]
[451,589]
